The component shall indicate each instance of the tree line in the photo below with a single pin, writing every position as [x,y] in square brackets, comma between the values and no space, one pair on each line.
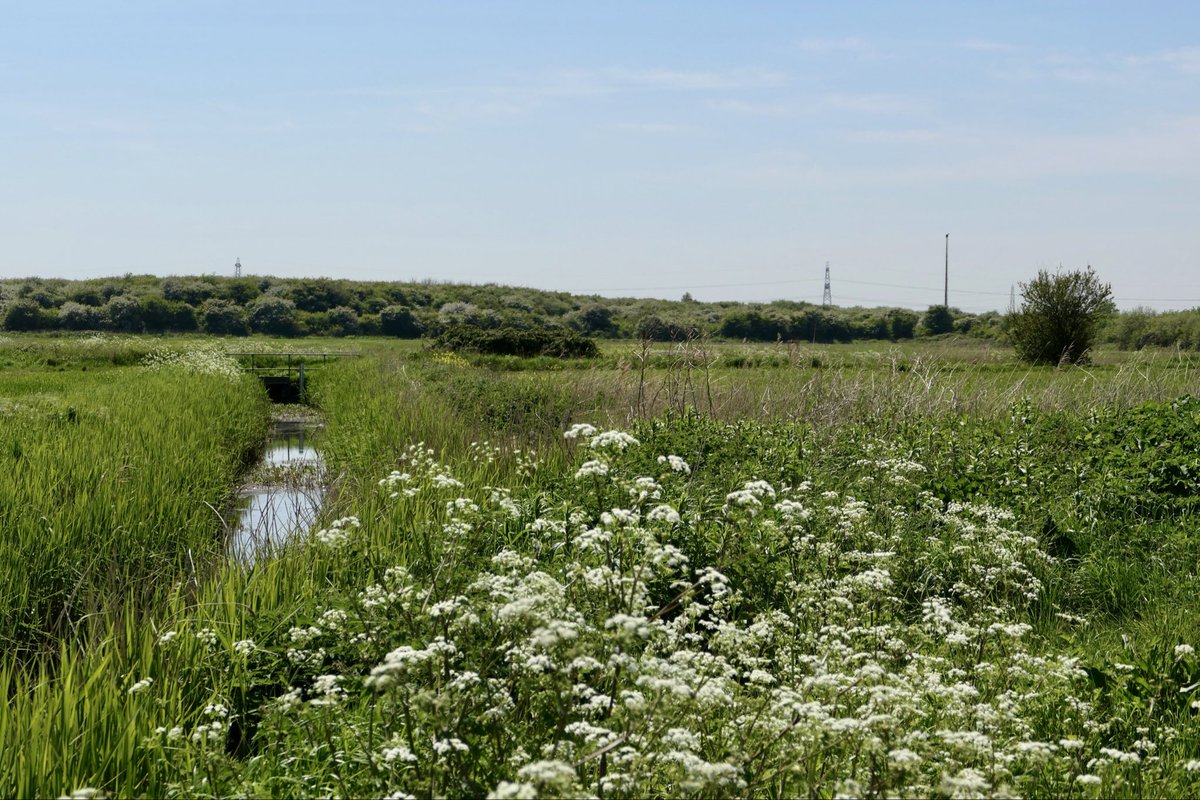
[332,307]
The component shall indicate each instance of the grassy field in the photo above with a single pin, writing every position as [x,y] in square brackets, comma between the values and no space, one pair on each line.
[744,570]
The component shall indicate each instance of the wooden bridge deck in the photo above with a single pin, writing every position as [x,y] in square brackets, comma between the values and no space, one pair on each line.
[293,359]
[277,378]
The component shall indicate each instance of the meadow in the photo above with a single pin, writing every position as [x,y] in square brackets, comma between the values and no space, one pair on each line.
[698,569]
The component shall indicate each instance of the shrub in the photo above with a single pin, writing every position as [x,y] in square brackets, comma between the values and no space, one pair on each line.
[123,313]
[223,318]
[658,329]
[399,321]
[78,317]
[510,341]
[273,315]
[187,291]
[752,324]
[903,323]
[938,319]
[343,321]
[593,319]
[320,294]
[159,315]
[23,315]
[1060,316]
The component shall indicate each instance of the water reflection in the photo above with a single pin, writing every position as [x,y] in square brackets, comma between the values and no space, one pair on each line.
[288,445]
[283,495]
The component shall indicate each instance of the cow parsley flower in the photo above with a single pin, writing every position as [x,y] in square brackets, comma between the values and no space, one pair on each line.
[676,464]
[617,440]
[579,429]
[592,468]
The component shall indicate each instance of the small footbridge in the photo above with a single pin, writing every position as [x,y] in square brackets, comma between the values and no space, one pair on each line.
[284,373]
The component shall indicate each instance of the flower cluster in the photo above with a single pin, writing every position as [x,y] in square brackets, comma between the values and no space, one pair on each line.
[774,639]
[198,361]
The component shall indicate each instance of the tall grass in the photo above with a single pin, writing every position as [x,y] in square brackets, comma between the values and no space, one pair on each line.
[829,386]
[87,730]
[79,718]
[111,481]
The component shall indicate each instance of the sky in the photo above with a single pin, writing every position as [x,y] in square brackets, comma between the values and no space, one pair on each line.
[725,149]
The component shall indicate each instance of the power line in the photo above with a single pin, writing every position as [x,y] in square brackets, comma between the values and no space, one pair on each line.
[783,281]
[882,284]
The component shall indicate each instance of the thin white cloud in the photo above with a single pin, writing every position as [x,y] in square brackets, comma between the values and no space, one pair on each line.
[81,119]
[764,108]
[1114,69]
[870,103]
[1165,148]
[650,128]
[845,44]
[1158,149]
[1183,59]
[857,103]
[988,46]
[453,104]
[434,107]
[472,107]
[691,80]
[898,136]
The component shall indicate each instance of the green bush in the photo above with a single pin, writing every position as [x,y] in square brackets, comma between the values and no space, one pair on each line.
[273,316]
[1060,316]
[938,319]
[510,341]
[223,318]
[400,321]
[24,315]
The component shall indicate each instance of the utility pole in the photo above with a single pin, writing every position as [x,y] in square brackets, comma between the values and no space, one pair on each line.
[827,298]
[946,288]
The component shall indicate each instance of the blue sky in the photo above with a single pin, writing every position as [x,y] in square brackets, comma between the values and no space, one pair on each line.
[621,148]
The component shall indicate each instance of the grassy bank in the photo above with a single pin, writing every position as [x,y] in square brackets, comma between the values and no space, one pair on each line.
[113,480]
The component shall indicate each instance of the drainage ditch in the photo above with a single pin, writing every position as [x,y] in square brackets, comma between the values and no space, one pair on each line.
[282,494]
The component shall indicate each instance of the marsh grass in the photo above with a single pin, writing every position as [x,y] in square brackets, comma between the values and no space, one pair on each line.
[109,479]
[854,385]
[214,719]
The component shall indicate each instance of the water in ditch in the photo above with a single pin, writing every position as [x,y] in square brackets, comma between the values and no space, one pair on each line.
[282,494]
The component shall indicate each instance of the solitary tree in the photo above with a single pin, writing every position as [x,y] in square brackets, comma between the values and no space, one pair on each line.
[1059,316]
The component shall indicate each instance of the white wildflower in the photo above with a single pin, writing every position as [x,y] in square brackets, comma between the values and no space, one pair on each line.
[676,464]
[592,468]
[398,753]
[617,440]
[579,429]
